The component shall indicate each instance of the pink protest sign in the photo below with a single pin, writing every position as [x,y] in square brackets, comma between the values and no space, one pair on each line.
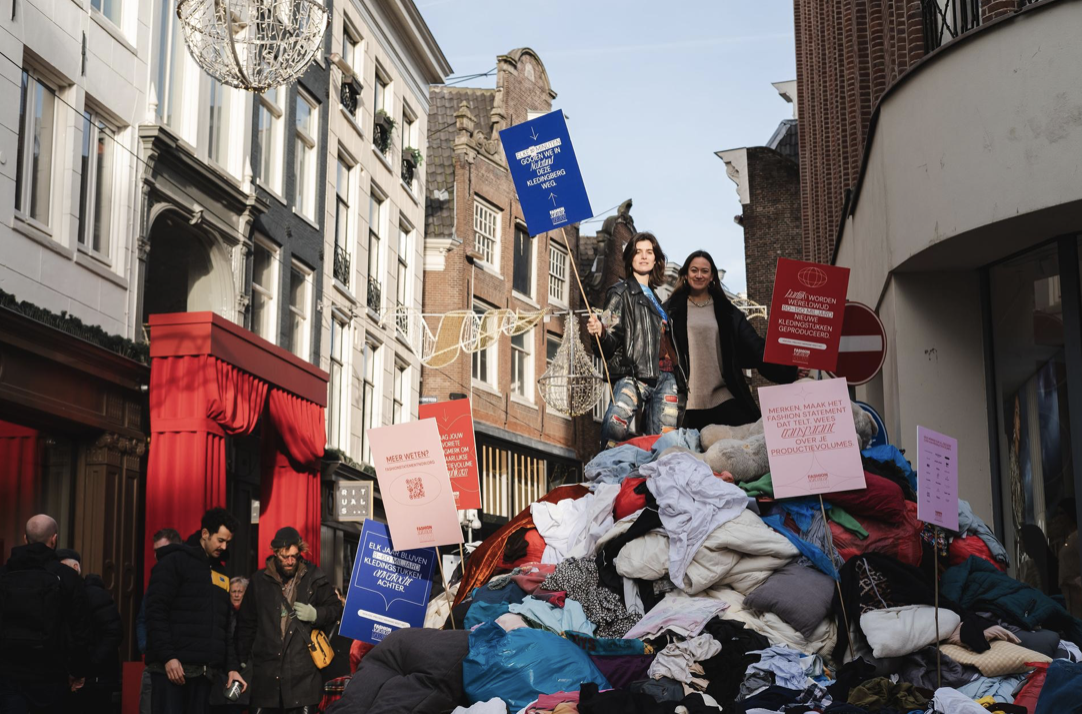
[937,479]
[455,422]
[415,485]
[810,438]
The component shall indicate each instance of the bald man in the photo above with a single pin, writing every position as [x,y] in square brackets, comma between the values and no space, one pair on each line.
[45,630]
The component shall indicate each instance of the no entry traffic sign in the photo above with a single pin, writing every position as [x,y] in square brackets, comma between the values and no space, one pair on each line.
[863,346]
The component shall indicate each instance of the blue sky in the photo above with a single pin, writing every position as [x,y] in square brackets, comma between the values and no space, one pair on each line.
[651,90]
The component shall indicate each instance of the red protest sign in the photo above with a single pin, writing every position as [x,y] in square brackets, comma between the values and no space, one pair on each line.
[454,419]
[806,314]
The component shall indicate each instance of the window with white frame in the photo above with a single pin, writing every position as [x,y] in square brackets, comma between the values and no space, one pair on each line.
[336,395]
[111,9]
[484,359]
[218,123]
[172,63]
[269,136]
[98,158]
[552,346]
[37,140]
[558,259]
[369,407]
[522,365]
[265,290]
[343,191]
[522,268]
[381,98]
[403,287]
[351,49]
[602,404]
[306,123]
[486,231]
[400,399]
[376,205]
[300,309]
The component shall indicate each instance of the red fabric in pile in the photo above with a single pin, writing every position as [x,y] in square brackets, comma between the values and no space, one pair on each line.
[962,548]
[900,541]
[881,500]
[627,501]
[1031,690]
[646,443]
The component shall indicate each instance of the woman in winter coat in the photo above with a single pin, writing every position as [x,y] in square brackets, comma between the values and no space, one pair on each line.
[716,344]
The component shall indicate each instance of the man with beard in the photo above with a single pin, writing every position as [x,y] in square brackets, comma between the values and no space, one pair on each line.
[284,602]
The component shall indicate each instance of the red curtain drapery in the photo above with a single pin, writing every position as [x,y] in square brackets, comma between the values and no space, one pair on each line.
[294,437]
[20,463]
[195,400]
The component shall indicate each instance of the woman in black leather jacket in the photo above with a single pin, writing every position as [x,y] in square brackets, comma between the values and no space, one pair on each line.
[640,353]
[716,344]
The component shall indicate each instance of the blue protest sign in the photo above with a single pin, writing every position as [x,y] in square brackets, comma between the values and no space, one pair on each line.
[546,173]
[881,438]
[389,589]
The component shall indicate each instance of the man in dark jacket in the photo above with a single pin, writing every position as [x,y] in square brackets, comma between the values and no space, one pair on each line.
[44,625]
[284,602]
[638,348]
[103,674]
[187,604]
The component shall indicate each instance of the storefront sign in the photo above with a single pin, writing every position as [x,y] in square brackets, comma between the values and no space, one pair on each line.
[806,314]
[353,500]
[937,479]
[454,419]
[811,440]
[546,173]
[415,485]
[863,347]
[389,589]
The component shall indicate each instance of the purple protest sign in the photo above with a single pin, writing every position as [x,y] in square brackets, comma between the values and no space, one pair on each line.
[937,473]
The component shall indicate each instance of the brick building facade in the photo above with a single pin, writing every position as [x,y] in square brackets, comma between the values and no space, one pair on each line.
[848,54]
[480,258]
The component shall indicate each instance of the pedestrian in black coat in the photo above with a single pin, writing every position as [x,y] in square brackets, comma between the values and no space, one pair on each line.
[44,624]
[187,612]
[284,602]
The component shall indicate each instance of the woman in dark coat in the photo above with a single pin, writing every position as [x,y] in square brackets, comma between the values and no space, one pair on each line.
[716,344]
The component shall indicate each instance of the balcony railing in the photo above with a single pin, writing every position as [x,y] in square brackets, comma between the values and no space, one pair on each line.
[375,293]
[409,169]
[945,20]
[350,95]
[402,319]
[341,265]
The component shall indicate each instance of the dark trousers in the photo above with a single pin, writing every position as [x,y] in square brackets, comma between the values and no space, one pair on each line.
[21,697]
[192,697]
[291,710]
[729,413]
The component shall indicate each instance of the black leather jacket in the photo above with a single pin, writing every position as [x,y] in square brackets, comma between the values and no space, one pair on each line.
[631,344]
[741,348]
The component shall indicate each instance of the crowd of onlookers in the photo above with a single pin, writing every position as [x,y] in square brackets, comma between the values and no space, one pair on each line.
[210,643]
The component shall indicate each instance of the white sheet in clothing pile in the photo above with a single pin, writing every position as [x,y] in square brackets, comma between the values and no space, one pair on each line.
[677,659]
[950,701]
[776,630]
[740,553]
[692,503]
[572,527]
[686,616]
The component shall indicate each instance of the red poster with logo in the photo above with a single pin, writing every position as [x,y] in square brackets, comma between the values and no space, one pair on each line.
[806,314]
[455,422]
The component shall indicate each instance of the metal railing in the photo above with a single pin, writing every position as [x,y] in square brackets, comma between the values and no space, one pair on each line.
[945,20]
[375,293]
[341,265]
[402,319]
[350,95]
[381,137]
[409,169]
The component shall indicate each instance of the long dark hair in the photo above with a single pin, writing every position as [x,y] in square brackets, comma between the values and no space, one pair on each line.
[682,289]
[657,275]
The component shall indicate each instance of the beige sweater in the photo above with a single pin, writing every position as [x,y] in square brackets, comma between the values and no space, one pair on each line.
[706,388]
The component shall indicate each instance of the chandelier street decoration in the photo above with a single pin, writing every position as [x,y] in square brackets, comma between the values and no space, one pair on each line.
[253,44]
[571,386]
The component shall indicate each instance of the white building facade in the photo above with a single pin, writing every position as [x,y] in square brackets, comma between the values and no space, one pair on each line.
[383,60]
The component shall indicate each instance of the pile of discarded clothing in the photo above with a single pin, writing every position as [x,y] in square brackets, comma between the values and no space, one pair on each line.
[673,581]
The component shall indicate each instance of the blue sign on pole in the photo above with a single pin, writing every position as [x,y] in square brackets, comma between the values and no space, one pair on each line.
[389,589]
[546,173]
[881,438]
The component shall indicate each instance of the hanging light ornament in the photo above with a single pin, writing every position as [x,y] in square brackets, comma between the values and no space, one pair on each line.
[571,386]
[253,44]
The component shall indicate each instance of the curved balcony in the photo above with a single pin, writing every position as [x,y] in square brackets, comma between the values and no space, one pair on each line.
[974,154]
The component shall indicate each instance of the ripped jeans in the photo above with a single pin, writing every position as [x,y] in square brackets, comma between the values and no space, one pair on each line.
[661,409]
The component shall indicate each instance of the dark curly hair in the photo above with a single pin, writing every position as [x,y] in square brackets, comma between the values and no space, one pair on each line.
[657,275]
[215,518]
